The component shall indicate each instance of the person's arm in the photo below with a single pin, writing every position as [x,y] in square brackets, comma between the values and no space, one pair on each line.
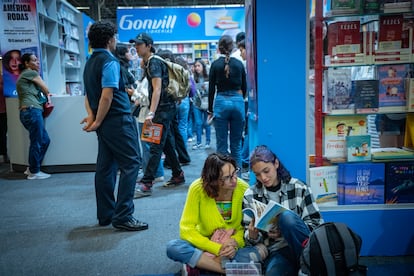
[156,95]
[252,235]
[211,90]
[90,118]
[41,84]
[244,83]
[311,214]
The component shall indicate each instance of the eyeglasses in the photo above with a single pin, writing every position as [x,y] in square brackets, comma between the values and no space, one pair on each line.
[229,177]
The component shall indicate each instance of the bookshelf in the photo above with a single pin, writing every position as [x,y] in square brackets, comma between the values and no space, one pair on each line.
[372,221]
[60,32]
[192,51]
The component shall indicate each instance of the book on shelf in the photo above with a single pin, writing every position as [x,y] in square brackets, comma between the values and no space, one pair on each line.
[392,87]
[399,187]
[366,96]
[265,215]
[358,148]
[396,6]
[390,33]
[337,128]
[391,153]
[409,132]
[410,95]
[344,7]
[361,183]
[323,182]
[339,98]
[152,133]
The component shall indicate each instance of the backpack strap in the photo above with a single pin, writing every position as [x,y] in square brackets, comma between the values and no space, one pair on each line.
[328,259]
[350,251]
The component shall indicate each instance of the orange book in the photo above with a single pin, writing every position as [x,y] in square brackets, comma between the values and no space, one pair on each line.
[151,133]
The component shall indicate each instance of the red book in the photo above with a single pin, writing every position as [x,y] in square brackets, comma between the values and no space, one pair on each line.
[390,33]
[348,39]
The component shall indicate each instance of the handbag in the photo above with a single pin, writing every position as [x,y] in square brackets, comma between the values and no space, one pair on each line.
[48,108]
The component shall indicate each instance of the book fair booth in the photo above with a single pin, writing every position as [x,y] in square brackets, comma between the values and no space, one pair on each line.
[280,107]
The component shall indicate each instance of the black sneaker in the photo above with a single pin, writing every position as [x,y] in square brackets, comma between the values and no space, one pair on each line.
[175,180]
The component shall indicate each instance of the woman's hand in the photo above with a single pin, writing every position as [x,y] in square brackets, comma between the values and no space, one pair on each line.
[228,250]
[253,231]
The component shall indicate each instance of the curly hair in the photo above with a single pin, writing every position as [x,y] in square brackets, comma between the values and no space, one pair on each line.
[100,33]
[264,154]
[212,172]
[226,47]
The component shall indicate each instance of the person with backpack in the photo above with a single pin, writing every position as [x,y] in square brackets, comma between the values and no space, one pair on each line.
[286,240]
[162,111]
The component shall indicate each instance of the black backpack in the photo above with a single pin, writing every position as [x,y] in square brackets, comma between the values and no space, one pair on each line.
[332,249]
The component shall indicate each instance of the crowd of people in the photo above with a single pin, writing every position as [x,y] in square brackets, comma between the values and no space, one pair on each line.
[213,230]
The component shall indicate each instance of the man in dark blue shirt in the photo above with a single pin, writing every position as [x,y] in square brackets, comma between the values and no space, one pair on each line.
[109,114]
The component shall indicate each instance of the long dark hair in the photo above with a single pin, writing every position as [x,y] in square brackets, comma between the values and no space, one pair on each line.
[203,74]
[264,154]
[226,47]
[211,172]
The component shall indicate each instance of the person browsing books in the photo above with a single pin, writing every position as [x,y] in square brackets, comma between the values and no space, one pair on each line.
[214,203]
[285,240]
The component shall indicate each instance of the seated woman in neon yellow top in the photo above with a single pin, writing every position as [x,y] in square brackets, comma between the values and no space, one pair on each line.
[213,205]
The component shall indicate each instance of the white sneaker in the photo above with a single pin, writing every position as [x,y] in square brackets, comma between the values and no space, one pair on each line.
[159,179]
[27,171]
[39,175]
[207,146]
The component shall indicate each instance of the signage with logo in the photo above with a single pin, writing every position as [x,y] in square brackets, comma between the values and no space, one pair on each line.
[180,23]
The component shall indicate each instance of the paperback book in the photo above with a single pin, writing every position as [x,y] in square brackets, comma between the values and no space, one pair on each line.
[392,96]
[358,148]
[337,128]
[361,183]
[366,96]
[265,215]
[410,95]
[399,186]
[339,91]
[339,7]
[151,133]
[390,33]
[323,182]
[391,153]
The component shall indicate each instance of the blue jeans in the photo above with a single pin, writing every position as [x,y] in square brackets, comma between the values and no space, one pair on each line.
[183,110]
[200,118]
[145,156]
[184,252]
[229,111]
[285,261]
[118,149]
[32,120]
[190,120]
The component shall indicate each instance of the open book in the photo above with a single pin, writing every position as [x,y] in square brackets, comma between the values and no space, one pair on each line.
[265,215]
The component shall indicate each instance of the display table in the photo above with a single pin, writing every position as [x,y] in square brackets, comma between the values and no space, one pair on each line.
[71,148]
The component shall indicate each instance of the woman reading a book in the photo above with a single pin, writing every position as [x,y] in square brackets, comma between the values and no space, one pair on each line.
[211,228]
[286,238]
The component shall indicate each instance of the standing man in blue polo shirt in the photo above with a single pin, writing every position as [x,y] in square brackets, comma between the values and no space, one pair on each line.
[109,114]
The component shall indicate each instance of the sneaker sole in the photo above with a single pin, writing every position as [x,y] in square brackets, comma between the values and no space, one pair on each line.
[170,185]
[142,195]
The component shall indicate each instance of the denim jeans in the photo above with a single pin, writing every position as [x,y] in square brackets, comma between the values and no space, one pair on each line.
[32,120]
[164,116]
[200,118]
[190,125]
[285,261]
[183,110]
[184,252]
[145,156]
[229,111]
[118,150]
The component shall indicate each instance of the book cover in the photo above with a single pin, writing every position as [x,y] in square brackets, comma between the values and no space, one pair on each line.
[361,183]
[391,153]
[392,96]
[366,96]
[358,148]
[151,133]
[337,128]
[399,187]
[265,215]
[339,91]
[390,33]
[345,7]
[348,41]
[323,182]
[410,95]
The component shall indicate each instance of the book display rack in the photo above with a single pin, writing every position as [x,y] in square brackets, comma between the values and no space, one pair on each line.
[192,51]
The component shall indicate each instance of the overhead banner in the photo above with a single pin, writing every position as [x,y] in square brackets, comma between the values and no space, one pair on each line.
[19,35]
[180,24]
